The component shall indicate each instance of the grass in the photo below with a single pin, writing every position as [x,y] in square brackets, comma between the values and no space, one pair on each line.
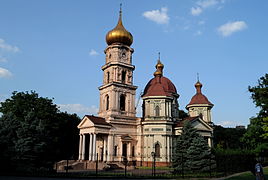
[248,175]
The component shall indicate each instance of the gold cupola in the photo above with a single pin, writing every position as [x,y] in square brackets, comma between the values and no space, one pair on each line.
[119,34]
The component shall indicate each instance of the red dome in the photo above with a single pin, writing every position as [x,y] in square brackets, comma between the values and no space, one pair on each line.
[160,86]
[199,98]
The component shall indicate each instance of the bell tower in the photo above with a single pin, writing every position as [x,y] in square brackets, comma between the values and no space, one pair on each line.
[117,93]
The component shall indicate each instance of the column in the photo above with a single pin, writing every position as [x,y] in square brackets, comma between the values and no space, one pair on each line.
[90,147]
[83,147]
[80,147]
[94,155]
[209,142]
[104,149]
[110,147]
[171,147]
[113,100]
[168,149]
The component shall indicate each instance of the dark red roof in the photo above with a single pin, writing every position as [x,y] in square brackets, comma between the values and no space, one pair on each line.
[97,120]
[199,98]
[181,123]
[159,86]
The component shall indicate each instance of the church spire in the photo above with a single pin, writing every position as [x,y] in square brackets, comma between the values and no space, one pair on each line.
[159,67]
[119,34]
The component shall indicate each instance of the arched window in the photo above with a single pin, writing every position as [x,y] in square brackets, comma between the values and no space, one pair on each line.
[124,76]
[108,77]
[157,149]
[157,110]
[107,102]
[122,102]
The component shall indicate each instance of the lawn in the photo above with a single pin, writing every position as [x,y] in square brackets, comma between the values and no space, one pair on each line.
[248,176]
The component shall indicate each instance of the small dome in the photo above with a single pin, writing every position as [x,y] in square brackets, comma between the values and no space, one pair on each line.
[199,98]
[119,34]
[159,85]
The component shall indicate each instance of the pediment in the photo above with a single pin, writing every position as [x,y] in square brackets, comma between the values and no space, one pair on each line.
[85,123]
[199,124]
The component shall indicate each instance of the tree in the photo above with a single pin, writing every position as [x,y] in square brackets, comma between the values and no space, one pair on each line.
[228,138]
[182,114]
[257,131]
[199,156]
[34,133]
[191,151]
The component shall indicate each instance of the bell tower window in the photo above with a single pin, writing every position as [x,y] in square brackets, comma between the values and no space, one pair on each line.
[157,111]
[122,102]
[107,102]
[108,77]
[124,76]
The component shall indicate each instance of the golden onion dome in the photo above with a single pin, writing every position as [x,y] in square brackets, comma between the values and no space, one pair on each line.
[198,84]
[119,34]
[159,68]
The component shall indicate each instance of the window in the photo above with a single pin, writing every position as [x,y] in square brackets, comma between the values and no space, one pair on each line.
[157,110]
[124,76]
[133,151]
[157,150]
[122,102]
[107,102]
[115,150]
[108,77]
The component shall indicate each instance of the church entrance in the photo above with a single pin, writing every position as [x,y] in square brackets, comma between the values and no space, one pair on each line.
[101,154]
[124,151]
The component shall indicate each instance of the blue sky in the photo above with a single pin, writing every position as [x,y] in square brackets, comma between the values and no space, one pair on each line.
[56,49]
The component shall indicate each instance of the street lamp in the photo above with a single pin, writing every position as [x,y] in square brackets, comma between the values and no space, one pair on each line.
[153,164]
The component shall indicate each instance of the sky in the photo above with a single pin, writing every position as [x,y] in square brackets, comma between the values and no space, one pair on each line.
[56,48]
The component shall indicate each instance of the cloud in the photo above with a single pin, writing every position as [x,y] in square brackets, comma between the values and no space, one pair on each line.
[4,73]
[227,123]
[231,27]
[8,48]
[201,5]
[93,52]
[196,11]
[78,109]
[158,16]
[207,3]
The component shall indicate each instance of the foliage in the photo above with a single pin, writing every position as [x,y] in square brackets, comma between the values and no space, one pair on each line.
[234,160]
[182,114]
[34,134]
[257,131]
[191,152]
[259,94]
[228,138]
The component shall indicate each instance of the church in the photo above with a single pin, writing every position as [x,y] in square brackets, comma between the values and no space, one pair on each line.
[117,135]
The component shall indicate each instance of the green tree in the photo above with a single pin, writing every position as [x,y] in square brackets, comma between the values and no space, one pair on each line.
[182,114]
[228,138]
[257,131]
[190,149]
[34,133]
[199,155]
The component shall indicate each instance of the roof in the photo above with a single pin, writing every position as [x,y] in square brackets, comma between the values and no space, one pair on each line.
[97,120]
[159,86]
[181,123]
[199,98]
